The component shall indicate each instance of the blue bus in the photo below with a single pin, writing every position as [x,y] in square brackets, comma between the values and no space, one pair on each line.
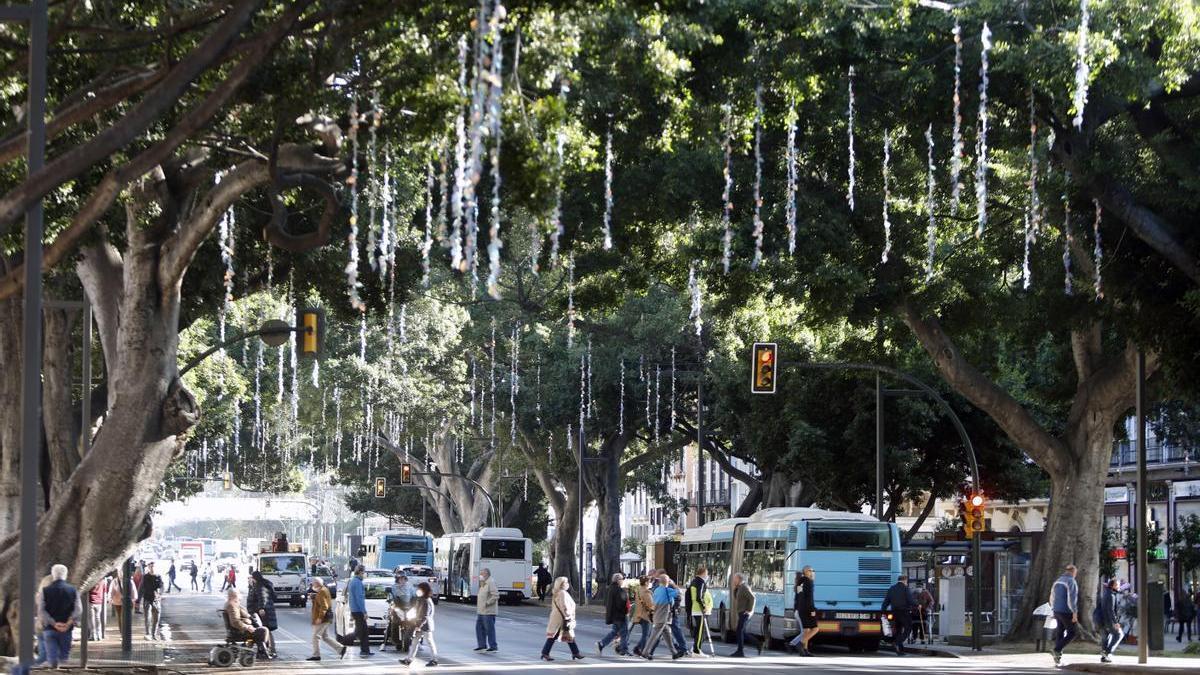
[392,548]
[855,557]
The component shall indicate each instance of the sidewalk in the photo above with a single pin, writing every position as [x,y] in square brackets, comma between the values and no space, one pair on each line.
[1079,657]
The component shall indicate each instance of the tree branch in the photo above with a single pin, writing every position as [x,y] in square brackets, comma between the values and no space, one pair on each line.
[916,526]
[1050,453]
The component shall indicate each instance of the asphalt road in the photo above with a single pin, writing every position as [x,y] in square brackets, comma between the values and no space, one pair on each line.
[195,625]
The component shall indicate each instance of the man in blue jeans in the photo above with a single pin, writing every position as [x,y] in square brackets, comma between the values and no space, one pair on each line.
[486,603]
[60,609]
[1064,602]
[356,597]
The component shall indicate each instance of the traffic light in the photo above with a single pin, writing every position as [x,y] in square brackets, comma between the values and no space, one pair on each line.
[227,481]
[406,474]
[973,521]
[381,487]
[310,324]
[763,366]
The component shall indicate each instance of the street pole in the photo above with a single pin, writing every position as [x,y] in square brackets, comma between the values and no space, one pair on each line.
[977,593]
[31,348]
[582,559]
[1143,609]
[700,452]
[878,445]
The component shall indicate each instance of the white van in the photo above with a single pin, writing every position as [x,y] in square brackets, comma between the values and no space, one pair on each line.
[288,572]
[506,551]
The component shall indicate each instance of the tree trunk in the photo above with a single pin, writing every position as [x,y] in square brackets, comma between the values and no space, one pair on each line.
[565,545]
[59,421]
[608,494]
[10,414]
[1073,525]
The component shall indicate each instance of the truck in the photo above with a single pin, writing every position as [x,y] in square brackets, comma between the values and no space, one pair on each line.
[288,572]
[227,552]
[191,552]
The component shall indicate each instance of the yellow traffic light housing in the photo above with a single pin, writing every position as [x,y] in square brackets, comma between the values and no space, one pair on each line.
[972,514]
[381,487]
[406,477]
[310,326]
[764,365]
[227,481]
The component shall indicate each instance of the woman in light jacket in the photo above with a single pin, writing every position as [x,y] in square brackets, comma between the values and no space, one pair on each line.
[643,611]
[561,625]
[424,629]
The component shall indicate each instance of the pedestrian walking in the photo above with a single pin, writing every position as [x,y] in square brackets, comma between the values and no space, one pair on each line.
[195,571]
[1104,617]
[900,602]
[543,581]
[743,609]
[643,611]
[207,577]
[171,578]
[561,625]
[924,606]
[116,598]
[240,620]
[322,617]
[356,598]
[806,611]
[699,606]
[59,609]
[1064,602]
[1185,613]
[424,630]
[486,604]
[230,578]
[96,609]
[616,615]
[260,602]
[666,596]
[151,591]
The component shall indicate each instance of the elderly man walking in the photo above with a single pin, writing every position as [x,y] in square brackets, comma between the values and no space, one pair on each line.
[1064,601]
[486,604]
[665,596]
[59,609]
[743,609]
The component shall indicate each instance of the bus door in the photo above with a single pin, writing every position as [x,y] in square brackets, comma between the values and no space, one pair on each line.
[460,565]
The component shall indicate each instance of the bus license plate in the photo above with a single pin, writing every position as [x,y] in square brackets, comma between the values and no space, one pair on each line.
[518,584]
[852,615]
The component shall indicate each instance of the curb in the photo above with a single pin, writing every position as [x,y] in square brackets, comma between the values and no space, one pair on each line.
[1107,668]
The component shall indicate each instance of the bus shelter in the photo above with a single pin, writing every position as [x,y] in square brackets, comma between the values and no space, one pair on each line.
[944,568]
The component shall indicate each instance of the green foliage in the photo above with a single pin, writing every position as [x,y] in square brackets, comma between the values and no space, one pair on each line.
[1184,543]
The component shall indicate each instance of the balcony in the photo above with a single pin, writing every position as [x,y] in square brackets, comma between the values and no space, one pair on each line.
[711,498]
[1157,452]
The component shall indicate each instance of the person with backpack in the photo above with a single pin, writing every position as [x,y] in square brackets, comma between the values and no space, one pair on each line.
[1104,617]
[666,599]
[616,615]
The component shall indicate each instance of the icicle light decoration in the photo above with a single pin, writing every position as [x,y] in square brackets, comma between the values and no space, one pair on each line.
[512,385]
[590,408]
[386,245]
[473,385]
[789,206]
[373,192]
[478,126]
[608,195]
[337,424]
[1081,65]
[657,398]
[257,436]
[352,240]
[582,389]
[646,379]
[956,150]
[535,246]
[538,393]
[560,141]
[930,184]
[225,243]
[362,336]
[460,161]
[887,194]
[621,402]
[727,194]
[757,231]
[427,243]
[492,387]
[1033,210]
[694,290]
[850,137]
[570,301]
[981,150]
[1097,252]
[1068,240]
[672,401]
[495,114]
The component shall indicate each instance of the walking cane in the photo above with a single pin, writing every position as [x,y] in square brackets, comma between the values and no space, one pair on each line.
[712,651]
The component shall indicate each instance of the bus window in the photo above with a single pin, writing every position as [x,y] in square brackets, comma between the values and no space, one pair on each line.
[502,549]
[849,536]
[762,563]
[405,544]
[718,565]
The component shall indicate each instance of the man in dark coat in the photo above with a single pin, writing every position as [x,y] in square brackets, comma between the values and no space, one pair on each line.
[616,615]
[543,581]
[1104,616]
[899,600]
[260,602]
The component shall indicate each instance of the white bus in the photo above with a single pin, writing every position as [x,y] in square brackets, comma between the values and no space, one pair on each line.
[506,551]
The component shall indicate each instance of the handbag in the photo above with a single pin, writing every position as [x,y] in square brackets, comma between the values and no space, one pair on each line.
[327,617]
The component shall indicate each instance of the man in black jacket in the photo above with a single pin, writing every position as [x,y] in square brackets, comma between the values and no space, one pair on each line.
[59,608]
[698,607]
[1105,618]
[616,614]
[151,591]
[900,602]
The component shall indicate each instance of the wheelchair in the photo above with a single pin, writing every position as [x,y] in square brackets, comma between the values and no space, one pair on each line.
[239,648]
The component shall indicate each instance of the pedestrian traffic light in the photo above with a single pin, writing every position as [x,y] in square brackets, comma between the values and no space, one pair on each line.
[310,325]
[406,474]
[763,366]
[381,487]
[973,520]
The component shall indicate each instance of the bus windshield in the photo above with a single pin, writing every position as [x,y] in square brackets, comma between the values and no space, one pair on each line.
[503,549]
[405,545]
[857,536]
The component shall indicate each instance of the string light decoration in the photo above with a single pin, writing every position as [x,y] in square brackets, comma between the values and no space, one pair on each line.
[850,136]
[1082,71]
[981,188]
[757,231]
[956,149]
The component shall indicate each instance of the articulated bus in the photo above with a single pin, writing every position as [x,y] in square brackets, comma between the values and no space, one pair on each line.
[855,558]
[392,548]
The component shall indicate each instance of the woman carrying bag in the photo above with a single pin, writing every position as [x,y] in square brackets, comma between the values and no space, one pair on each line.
[561,625]
[424,629]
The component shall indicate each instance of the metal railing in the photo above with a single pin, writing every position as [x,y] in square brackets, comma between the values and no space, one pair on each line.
[1157,452]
